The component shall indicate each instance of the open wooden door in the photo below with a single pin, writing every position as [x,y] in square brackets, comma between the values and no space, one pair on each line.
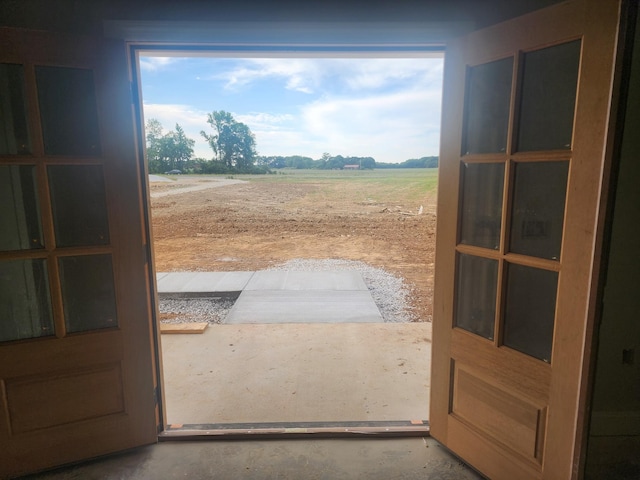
[76,369]
[524,153]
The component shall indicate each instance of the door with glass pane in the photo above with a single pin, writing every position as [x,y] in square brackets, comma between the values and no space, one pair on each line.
[526,108]
[76,377]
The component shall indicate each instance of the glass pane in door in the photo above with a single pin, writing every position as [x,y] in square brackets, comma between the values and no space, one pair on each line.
[481,211]
[25,301]
[530,310]
[477,280]
[88,292]
[548,98]
[487,107]
[14,133]
[20,227]
[537,214]
[68,113]
[79,205]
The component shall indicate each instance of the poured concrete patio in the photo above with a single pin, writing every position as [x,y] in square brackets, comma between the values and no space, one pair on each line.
[281,296]
[296,347]
[298,373]
[305,297]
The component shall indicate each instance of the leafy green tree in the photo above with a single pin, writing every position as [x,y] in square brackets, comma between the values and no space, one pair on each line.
[153,131]
[300,162]
[368,163]
[232,142]
[431,162]
[274,161]
[244,146]
[175,149]
[422,162]
[170,151]
[180,147]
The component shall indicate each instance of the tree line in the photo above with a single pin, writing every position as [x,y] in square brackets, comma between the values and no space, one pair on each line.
[422,162]
[326,162]
[234,151]
[232,142]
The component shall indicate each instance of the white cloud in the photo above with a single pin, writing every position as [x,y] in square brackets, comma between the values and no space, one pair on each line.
[266,121]
[309,75]
[153,64]
[277,134]
[391,128]
[379,73]
[298,74]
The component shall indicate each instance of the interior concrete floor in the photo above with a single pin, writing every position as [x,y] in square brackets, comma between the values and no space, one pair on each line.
[298,373]
[371,459]
[288,373]
[284,373]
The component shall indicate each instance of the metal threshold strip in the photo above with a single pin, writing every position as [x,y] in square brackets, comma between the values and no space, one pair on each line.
[291,430]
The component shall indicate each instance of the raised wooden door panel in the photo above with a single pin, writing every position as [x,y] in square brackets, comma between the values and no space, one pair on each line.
[525,118]
[76,370]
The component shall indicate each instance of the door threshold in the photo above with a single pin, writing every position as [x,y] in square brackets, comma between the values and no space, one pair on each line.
[293,430]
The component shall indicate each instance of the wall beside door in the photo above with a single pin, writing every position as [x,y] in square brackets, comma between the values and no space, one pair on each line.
[615,423]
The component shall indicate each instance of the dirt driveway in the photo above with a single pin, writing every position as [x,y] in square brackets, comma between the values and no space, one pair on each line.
[180,187]
[254,225]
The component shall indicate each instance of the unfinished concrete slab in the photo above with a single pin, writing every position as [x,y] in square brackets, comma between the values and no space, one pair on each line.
[304,306]
[161,275]
[221,283]
[305,297]
[398,458]
[298,373]
[293,280]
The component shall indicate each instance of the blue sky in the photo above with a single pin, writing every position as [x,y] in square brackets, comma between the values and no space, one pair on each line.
[388,109]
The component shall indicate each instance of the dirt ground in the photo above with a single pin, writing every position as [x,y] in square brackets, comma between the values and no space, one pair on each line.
[254,225]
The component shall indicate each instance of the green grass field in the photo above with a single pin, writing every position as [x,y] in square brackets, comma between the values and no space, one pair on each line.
[403,185]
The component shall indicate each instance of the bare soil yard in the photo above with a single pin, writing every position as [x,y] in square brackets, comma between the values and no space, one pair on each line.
[270,219]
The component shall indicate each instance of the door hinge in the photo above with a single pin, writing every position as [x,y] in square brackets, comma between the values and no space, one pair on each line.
[155,396]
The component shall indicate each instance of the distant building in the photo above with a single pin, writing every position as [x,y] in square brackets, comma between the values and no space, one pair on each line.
[352,167]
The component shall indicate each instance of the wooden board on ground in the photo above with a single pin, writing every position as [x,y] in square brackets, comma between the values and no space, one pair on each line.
[183,327]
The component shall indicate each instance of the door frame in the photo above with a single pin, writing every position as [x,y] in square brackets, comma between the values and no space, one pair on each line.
[629,12]
[271,430]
